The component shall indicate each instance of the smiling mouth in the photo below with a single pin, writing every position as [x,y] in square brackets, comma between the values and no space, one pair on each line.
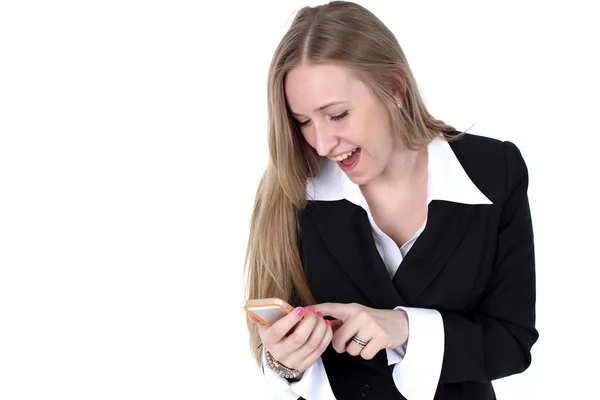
[350,162]
[344,156]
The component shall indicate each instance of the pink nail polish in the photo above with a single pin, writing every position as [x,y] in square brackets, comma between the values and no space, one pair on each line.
[328,322]
[320,314]
[311,309]
[300,312]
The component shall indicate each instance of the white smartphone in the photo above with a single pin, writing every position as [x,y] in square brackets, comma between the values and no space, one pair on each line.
[268,310]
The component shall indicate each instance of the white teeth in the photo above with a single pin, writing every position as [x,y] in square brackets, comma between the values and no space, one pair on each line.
[344,156]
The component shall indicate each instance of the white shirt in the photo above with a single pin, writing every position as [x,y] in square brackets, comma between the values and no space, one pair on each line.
[417,364]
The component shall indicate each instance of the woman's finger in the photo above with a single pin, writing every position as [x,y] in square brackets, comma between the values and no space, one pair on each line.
[354,348]
[312,343]
[371,349]
[278,331]
[343,335]
[337,310]
[312,357]
[282,349]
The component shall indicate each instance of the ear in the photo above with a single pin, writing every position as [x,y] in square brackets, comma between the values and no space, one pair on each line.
[397,86]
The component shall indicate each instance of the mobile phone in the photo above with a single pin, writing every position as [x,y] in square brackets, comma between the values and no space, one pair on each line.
[268,310]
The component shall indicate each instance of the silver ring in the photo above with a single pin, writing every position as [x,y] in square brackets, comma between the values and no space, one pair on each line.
[359,342]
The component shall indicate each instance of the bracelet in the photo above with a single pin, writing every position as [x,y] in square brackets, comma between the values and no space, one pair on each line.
[279,368]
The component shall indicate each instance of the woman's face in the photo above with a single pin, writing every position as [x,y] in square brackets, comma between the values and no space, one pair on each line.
[338,114]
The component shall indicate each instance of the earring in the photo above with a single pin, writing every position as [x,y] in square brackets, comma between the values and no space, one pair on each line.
[398,104]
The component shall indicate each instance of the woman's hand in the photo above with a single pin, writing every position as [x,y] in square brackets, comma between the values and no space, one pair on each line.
[302,347]
[379,328]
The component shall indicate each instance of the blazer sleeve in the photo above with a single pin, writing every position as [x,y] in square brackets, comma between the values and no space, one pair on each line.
[496,340]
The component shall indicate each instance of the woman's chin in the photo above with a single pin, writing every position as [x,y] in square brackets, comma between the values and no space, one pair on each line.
[359,178]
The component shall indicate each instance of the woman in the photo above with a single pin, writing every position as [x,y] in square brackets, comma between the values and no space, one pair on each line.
[406,246]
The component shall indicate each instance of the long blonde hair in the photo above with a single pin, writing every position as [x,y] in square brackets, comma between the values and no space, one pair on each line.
[348,35]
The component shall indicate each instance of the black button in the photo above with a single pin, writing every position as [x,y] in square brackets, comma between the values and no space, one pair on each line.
[365,390]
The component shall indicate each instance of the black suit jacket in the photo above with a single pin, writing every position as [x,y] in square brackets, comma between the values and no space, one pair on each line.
[472,263]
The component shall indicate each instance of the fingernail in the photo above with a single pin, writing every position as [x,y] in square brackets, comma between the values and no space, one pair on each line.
[311,309]
[320,314]
[328,322]
[300,312]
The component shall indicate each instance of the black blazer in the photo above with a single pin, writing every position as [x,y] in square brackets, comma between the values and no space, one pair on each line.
[472,263]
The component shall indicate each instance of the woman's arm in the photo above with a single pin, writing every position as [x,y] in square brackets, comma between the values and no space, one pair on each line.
[496,341]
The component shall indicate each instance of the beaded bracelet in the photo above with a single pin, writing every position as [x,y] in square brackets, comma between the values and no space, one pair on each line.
[279,368]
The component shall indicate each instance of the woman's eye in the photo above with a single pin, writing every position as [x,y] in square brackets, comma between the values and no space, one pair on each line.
[338,117]
[333,118]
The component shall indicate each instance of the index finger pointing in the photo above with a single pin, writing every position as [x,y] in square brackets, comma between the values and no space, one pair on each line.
[336,310]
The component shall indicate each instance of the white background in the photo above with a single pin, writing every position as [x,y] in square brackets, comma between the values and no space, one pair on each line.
[132,138]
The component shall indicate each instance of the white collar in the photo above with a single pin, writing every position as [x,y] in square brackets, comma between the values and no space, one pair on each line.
[447,180]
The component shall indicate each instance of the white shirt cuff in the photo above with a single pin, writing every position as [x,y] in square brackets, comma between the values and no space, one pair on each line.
[418,364]
[314,384]
[394,356]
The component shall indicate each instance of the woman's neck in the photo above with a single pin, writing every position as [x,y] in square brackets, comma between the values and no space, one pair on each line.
[406,171]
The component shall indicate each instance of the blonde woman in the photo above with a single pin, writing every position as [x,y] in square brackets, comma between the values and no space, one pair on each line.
[405,245]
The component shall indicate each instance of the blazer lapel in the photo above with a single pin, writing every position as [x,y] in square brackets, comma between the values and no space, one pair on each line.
[346,232]
[446,225]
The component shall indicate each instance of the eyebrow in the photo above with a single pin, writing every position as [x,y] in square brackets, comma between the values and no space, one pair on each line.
[331,103]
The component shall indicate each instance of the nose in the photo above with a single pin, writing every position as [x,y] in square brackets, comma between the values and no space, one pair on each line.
[326,140]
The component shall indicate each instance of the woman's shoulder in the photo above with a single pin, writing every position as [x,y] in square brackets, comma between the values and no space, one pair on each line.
[488,161]
[473,145]
[481,151]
